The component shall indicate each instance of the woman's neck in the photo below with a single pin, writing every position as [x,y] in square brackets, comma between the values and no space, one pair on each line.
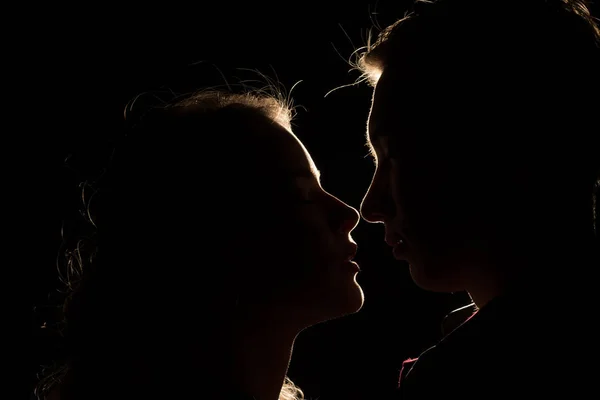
[262,353]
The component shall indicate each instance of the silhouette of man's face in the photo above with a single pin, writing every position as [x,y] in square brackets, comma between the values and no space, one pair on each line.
[300,238]
[421,191]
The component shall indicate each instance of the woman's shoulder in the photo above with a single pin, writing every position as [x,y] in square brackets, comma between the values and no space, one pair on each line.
[239,396]
[51,395]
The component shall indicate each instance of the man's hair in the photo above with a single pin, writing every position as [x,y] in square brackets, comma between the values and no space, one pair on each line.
[540,27]
[520,71]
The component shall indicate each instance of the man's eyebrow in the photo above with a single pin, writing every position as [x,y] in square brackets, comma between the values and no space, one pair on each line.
[369,143]
[370,146]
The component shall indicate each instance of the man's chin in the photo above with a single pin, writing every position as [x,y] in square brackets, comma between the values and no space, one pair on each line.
[434,279]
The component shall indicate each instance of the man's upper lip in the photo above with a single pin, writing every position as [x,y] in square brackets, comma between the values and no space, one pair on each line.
[351,252]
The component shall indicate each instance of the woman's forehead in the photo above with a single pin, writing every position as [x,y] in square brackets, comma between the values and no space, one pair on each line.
[285,153]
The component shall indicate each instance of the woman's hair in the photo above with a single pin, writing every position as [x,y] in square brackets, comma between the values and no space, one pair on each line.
[131,299]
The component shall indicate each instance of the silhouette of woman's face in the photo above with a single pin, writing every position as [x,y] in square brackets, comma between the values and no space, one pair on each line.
[297,236]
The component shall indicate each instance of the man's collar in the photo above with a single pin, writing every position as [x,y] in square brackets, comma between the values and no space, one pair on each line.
[457,317]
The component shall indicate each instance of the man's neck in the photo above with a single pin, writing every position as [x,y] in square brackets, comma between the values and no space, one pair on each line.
[531,271]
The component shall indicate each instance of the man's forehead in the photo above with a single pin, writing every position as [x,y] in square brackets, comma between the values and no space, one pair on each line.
[396,103]
[383,99]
